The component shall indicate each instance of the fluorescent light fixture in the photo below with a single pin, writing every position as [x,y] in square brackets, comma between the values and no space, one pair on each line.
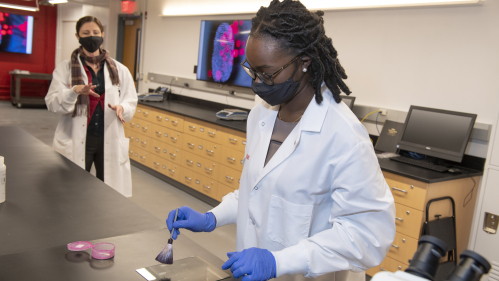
[18,7]
[29,36]
[221,7]
[58,1]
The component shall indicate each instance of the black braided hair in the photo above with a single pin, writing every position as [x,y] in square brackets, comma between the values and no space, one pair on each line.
[300,31]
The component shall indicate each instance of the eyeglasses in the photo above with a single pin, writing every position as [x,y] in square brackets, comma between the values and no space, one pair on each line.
[266,78]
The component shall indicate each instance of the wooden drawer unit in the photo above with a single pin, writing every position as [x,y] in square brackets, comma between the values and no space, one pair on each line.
[158,148]
[209,187]
[174,155]
[143,142]
[200,165]
[173,170]
[203,130]
[159,117]
[174,121]
[229,177]
[144,158]
[142,126]
[130,126]
[192,144]
[211,150]
[406,191]
[200,183]
[234,139]
[133,153]
[157,132]
[222,191]
[191,161]
[408,220]
[157,163]
[403,248]
[232,158]
[173,137]
[191,127]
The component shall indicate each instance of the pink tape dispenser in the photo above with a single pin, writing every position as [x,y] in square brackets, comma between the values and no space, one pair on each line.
[100,251]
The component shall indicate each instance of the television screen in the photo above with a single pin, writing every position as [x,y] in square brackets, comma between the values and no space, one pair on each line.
[16,33]
[221,51]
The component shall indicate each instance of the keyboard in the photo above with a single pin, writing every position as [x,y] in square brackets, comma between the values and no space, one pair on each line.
[420,163]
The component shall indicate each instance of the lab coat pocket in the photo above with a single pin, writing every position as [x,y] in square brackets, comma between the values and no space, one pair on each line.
[288,222]
[64,147]
[123,153]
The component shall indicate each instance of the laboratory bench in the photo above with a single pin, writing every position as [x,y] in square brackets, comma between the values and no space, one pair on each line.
[188,147]
[50,202]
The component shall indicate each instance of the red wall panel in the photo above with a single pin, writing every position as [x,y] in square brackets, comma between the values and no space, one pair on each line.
[42,58]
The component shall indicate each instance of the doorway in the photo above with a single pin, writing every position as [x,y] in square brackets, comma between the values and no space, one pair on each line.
[128,45]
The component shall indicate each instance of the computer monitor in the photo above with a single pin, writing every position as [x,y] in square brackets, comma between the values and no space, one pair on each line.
[435,132]
[348,100]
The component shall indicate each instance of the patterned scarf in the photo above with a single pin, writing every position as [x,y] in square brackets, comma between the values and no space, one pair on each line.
[77,78]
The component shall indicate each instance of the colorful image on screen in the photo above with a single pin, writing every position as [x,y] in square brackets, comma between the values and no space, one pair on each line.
[16,33]
[221,51]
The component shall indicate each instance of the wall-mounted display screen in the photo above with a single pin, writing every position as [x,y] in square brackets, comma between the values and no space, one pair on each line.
[16,33]
[221,51]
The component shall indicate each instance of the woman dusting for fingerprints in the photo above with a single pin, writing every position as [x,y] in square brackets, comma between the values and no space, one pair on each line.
[95,95]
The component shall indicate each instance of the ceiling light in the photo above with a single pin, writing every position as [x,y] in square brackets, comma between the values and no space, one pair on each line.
[18,7]
[58,1]
[203,7]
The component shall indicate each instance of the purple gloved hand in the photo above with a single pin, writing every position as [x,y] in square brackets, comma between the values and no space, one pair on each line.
[253,264]
[190,219]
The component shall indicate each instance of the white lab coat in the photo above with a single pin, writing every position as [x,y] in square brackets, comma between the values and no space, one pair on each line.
[321,204]
[70,135]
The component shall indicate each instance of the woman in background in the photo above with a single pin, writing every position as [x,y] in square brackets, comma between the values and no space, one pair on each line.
[95,95]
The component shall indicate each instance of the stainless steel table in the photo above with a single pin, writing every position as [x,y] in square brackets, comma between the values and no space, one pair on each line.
[15,88]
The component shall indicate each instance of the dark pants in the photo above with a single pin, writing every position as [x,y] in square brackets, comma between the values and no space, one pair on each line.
[94,153]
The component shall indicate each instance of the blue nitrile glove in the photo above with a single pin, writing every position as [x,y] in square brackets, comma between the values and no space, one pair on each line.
[190,219]
[254,264]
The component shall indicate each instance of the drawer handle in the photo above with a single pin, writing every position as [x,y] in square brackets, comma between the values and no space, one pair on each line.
[208,169]
[143,142]
[234,140]
[164,167]
[173,155]
[143,157]
[131,138]
[164,151]
[206,186]
[173,171]
[244,142]
[158,133]
[198,182]
[157,164]
[137,140]
[132,124]
[144,128]
[157,148]
[191,144]
[233,159]
[399,219]
[145,113]
[187,178]
[211,133]
[382,269]
[398,189]
[174,139]
[192,127]
[136,154]
[174,122]
[131,152]
[395,246]
[166,119]
[138,125]
[230,178]
[166,135]
[189,161]
[139,111]
[159,118]
[210,151]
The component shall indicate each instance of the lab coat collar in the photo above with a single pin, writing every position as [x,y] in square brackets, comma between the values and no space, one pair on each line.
[312,121]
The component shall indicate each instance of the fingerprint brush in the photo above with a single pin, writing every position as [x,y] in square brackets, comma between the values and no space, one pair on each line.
[166,256]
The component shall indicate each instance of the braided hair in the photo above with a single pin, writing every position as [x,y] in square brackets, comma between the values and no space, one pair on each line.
[300,31]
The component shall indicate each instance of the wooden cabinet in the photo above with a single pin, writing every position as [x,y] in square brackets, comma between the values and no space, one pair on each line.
[411,197]
[192,152]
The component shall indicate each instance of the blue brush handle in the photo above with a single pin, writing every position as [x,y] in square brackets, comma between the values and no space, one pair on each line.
[174,220]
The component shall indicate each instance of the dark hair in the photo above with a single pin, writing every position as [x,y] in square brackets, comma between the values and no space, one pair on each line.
[86,19]
[300,31]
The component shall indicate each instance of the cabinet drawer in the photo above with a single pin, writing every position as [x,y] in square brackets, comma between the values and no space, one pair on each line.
[174,121]
[157,163]
[173,170]
[191,179]
[200,165]
[143,142]
[157,132]
[229,177]
[130,126]
[222,191]
[209,187]
[190,161]
[403,248]
[388,264]
[133,153]
[203,130]
[192,144]
[235,140]
[408,220]
[142,127]
[191,127]
[143,112]
[211,150]
[158,117]
[144,158]
[406,191]
[173,137]
[159,148]
[174,155]
[232,158]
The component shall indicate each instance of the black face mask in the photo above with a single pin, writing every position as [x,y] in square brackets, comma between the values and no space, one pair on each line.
[91,43]
[279,93]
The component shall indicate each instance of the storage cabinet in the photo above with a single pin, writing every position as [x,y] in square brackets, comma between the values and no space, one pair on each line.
[203,156]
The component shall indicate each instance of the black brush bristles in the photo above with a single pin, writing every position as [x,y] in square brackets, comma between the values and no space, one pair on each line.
[166,256]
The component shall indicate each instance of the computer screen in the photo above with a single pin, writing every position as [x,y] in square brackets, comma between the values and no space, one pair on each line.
[436,132]
[221,51]
[348,100]
[16,33]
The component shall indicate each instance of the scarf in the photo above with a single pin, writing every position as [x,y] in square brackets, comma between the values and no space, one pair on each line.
[82,103]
